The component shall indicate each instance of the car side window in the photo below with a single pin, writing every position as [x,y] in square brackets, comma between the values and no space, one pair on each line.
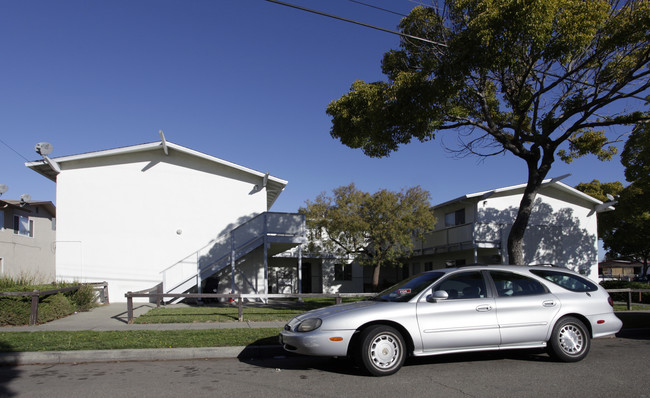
[510,284]
[464,285]
[567,281]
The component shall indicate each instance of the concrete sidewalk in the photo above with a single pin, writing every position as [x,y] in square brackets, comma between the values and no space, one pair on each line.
[114,317]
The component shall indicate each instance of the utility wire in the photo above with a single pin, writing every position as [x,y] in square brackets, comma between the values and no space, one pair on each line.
[17,153]
[377,8]
[357,22]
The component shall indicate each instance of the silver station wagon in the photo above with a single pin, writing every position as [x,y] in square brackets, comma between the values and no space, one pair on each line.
[473,308]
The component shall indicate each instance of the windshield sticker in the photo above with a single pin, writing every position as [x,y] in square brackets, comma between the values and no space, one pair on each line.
[404,291]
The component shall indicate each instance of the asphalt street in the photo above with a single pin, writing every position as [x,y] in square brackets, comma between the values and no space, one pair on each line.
[615,367]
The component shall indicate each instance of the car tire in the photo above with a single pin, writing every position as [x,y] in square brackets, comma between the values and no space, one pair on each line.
[570,341]
[381,350]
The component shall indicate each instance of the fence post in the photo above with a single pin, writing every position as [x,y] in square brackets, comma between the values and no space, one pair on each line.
[33,315]
[129,307]
[338,298]
[629,300]
[105,291]
[159,291]
[240,304]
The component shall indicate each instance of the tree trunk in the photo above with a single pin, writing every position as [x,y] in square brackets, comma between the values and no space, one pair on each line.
[375,278]
[516,237]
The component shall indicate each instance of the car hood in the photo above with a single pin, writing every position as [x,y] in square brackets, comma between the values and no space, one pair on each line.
[339,309]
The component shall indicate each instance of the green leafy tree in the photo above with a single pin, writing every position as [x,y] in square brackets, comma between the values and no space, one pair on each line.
[626,231]
[375,229]
[540,79]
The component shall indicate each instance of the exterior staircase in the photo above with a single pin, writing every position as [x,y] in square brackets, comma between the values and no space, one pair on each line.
[277,232]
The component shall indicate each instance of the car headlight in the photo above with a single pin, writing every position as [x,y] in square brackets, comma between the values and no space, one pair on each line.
[309,324]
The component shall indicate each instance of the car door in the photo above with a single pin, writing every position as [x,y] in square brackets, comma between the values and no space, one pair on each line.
[524,308]
[466,319]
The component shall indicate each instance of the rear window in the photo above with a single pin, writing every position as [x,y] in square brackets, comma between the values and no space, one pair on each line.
[571,282]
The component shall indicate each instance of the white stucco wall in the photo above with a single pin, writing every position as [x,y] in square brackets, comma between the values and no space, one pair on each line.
[124,218]
[561,231]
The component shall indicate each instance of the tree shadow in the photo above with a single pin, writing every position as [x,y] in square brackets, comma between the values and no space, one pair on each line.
[552,236]
[8,372]
[636,325]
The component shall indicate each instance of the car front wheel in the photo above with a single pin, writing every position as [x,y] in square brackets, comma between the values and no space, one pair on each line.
[381,350]
[570,340]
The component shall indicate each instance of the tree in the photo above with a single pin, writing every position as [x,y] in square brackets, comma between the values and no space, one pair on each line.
[626,231]
[376,229]
[539,79]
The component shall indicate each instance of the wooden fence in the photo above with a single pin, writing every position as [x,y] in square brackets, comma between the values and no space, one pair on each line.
[36,295]
[629,294]
[235,297]
[238,298]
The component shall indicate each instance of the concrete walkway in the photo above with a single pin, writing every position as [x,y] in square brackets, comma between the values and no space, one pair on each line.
[114,317]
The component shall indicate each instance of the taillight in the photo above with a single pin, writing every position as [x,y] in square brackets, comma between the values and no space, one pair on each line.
[610,301]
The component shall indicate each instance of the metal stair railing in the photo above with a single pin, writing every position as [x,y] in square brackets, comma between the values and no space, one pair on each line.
[218,254]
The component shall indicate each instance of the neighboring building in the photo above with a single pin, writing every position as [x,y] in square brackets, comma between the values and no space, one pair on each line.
[474,229]
[620,269]
[27,236]
[141,215]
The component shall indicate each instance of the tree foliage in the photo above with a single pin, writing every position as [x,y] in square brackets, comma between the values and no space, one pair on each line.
[375,229]
[626,231]
[536,78]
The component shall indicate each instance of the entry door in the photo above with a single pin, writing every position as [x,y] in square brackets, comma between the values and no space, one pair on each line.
[466,319]
[306,278]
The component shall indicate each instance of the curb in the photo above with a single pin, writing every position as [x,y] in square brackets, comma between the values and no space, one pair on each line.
[149,354]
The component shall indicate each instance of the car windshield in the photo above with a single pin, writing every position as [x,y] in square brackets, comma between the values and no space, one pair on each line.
[408,288]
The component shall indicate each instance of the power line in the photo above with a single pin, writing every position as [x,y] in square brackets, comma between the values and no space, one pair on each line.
[377,8]
[17,153]
[357,23]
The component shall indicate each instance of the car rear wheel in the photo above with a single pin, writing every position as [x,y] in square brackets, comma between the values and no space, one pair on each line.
[381,350]
[570,340]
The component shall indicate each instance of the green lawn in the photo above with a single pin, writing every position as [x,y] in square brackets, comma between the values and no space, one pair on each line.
[230,313]
[134,339]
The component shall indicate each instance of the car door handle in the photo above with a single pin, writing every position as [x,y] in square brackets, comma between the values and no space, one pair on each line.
[548,303]
[484,308]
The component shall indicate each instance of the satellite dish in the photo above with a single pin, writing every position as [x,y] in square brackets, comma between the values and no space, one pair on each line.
[3,188]
[25,197]
[43,148]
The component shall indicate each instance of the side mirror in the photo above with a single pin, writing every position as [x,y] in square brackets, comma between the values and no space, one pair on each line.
[437,295]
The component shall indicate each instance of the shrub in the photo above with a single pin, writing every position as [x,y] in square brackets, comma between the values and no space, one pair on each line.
[84,298]
[54,307]
[14,310]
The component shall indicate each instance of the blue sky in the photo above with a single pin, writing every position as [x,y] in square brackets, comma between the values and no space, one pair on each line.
[247,81]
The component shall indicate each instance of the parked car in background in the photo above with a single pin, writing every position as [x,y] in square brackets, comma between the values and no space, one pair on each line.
[473,308]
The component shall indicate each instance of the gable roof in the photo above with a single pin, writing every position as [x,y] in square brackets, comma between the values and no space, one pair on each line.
[519,189]
[274,185]
[20,205]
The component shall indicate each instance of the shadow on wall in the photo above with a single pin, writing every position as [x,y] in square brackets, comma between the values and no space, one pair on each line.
[247,229]
[552,237]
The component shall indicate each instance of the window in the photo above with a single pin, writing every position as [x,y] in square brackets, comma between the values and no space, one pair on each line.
[464,285]
[342,272]
[23,226]
[509,284]
[455,218]
[567,281]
